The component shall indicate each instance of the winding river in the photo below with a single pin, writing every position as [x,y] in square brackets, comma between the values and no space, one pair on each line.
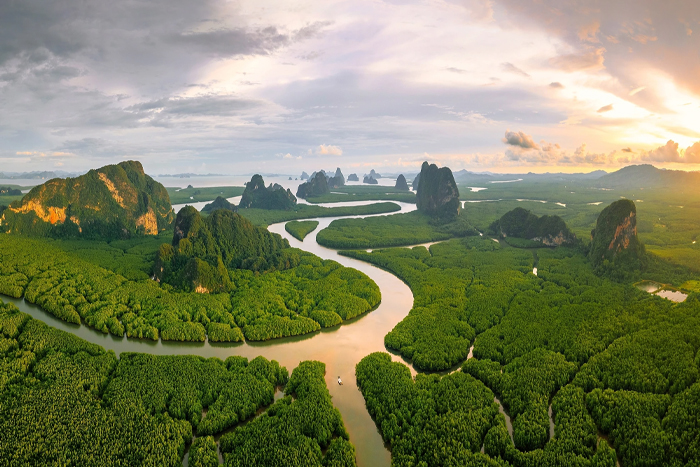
[340,348]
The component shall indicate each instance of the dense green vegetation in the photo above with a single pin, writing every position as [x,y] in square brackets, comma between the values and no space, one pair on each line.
[301,429]
[606,357]
[343,198]
[66,401]
[258,196]
[204,249]
[197,195]
[397,230]
[74,287]
[523,224]
[114,201]
[10,191]
[461,287]
[300,229]
[264,217]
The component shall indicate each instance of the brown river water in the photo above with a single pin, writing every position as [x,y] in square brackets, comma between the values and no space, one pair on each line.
[340,348]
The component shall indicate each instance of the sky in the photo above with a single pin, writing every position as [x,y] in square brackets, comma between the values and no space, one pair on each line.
[214,86]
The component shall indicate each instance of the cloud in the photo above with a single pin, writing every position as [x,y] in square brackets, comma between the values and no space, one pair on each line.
[605,108]
[510,68]
[627,150]
[590,60]
[556,85]
[692,154]
[519,139]
[666,153]
[329,150]
[637,90]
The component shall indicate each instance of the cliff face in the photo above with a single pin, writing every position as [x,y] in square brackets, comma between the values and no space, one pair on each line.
[203,249]
[521,223]
[416,182]
[337,180]
[111,202]
[437,195]
[256,195]
[317,185]
[615,234]
[401,183]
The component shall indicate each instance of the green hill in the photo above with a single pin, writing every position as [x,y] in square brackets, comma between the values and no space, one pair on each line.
[114,201]
[204,248]
[614,239]
[521,223]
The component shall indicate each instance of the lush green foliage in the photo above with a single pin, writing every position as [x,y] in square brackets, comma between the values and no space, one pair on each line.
[257,195]
[266,217]
[205,248]
[76,290]
[300,229]
[614,242]
[66,401]
[197,195]
[295,430]
[10,191]
[114,201]
[397,230]
[460,288]
[435,420]
[523,224]
[315,294]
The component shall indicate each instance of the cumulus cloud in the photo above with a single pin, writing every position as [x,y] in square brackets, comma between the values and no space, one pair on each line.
[328,150]
[520,139]
[605,108]
[671,153]
[692,154]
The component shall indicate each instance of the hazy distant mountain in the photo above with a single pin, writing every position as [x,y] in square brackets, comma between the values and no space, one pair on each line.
[188,175]
[47,175]
[648,176]
[465,177]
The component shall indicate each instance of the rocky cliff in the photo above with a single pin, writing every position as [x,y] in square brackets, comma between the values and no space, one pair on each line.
[615,236]
[438,195]
[370,180]
[337,180]
[316,186]
[257,195]
[401,183]
[353,178]
[521,223]
[114,201]
[204,248]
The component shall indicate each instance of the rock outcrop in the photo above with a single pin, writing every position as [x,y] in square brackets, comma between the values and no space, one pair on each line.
[304,176]
[369,180]
[315,186]
[220,203]
[337,180]
[521,223]
[257,195]
[614,238]
[416,182]
[374,174]
[437,193]
[114,201]
[401,183]
[353,178]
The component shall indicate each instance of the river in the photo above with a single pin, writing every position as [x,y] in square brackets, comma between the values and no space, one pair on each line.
[340,348]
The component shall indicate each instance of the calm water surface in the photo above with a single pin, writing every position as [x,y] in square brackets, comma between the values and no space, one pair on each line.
[340,348]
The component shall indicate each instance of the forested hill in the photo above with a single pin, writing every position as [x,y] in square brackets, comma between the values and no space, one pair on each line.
[113,201]
[648,176]
[204,248]
[521,223]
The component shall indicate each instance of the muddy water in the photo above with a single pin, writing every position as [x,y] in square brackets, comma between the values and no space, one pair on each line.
[340,348]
